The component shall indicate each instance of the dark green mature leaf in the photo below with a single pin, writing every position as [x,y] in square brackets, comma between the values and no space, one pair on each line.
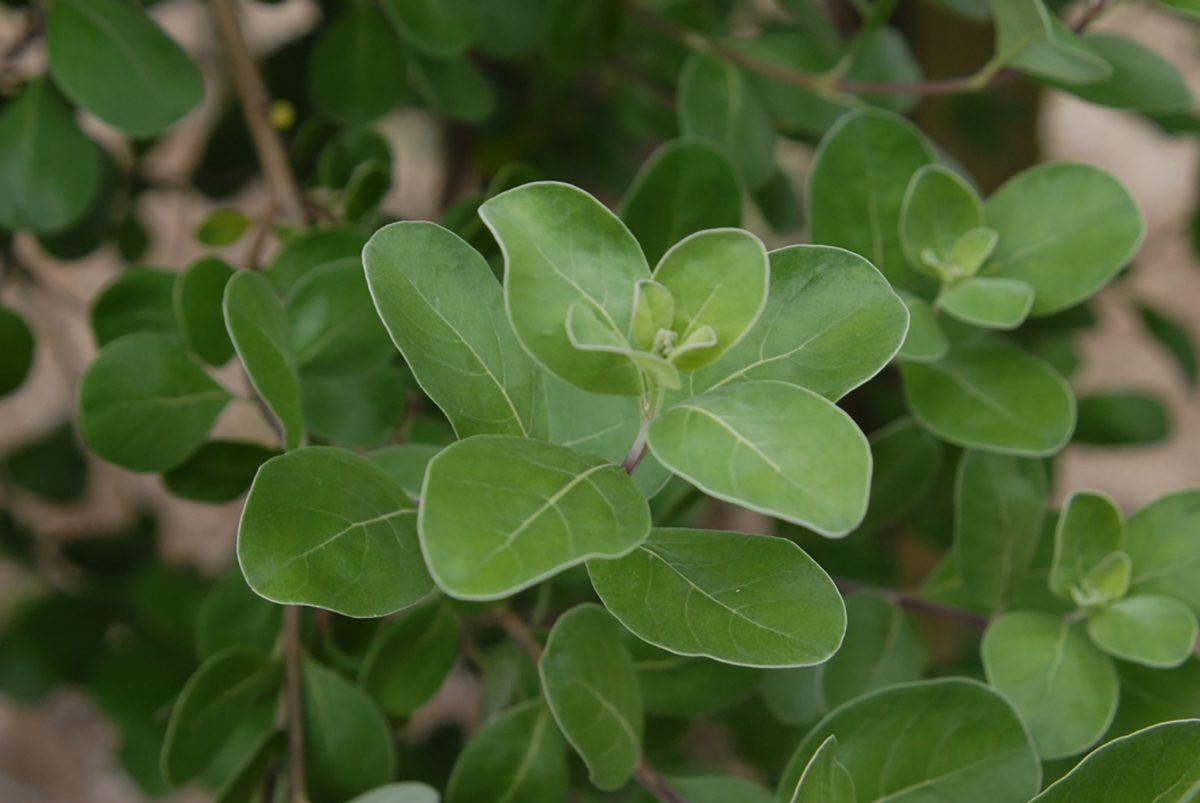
[1122,418]
[990,395]
[145,405]
[232,615]
[1160,541]
[679,685]
[112,59]
[1152,694]
[509,28]
[357,69]
[17,356]
[219,471]
[743,599]
[1063,687]
[348,747]
[457,89]
[410,657]
[313,251]
[443,28]
[1065,228]
[1158,763]
[857,186]
[499,514]
[1174,337]
[51,171]
[444,310]
[983,752]
[592,689]
[1146,629]
[825,780]
[1141,79]
[880,649]
[334,326]
[258,327]
[196,299]
[329,528]
[362,410]
[210,708]
[686,186]
[576,33]
[774,447]
[53,466]
[138,300]
[906,464]
[517,756]
[718,104]
[719,789]
[1090,528]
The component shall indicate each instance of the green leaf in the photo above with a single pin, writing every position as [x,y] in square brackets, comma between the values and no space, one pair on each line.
[232,615]
[457,89]
[1108,581]
[880,649]
[1147,629]
[258,327]
[1122,418]
[1160,541]
[773,447]
[357,69]
[334,328]
[196,299]
[717,279]
[577,33]
[686,186]
[588,333]
[1030,39]
[948,739]
[1064,688]
[907,462]
[1151,694]
[1141,79]
[716,103]
[857,186]
[1174,337]
[779,204]
[138,300]
[406,464]
[329,528]
[52,466]
[719,789]
[831,322]
[517,756]
[443,28]
[561,246]
[444,310]
[592,690]
[411,792]
[365,190]
[990,395]
[113,60]
[743,599]
[825,780]
[362,410]
[939,207]
[211,706]
[52,172]
[410,657]
[1065,228]
[219,471]
[999,502]
[1158,763]
[348,746]
[312,251]
[221,227]
[990,302]
[1185,8]
[17,357]
[499,514]
[144,405]
[510,28]
[678,685]
[1090,528]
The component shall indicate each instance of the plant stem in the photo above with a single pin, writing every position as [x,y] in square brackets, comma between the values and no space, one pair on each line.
[637,449]
[914,602]
[655,784]
[252,93]
[295,722]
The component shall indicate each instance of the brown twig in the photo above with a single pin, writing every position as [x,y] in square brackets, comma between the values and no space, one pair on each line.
[913,602]
[292,656]
[252,93]
[655,784]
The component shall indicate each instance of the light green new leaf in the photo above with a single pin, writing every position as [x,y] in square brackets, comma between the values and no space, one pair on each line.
[1029,38]
[591,334]
[686,186]
[516,757]
[144,405]
[939,207]
[857,185]
[948,739]
[222,226]
[1161,542]
[1141,79]
[1147,629]
[138,300]
[717,104]
[773,447]
[1064,688]
[335,329]
[211,706]
[988,301]
[994,396]
[825,780]
[499,514]
[1158,763]
[196,300]
[717,279]
[999,502]
[925,341]
[831,323]
[50,170]
[1065,228]
[17,357]
[561,246]
[329,528]
[592,689]
[357,69]
[1090,528]
[348,747]
[113,60]
[880,649]
[749,600]
[409,792]
[1107,582]
[410,657]
[258,327]
[443,28]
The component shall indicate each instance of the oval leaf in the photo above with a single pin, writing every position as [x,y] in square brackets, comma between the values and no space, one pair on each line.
[1146,629]
[1090,528]
[409,658]
[519,755]
[196,299]
[1162,544]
